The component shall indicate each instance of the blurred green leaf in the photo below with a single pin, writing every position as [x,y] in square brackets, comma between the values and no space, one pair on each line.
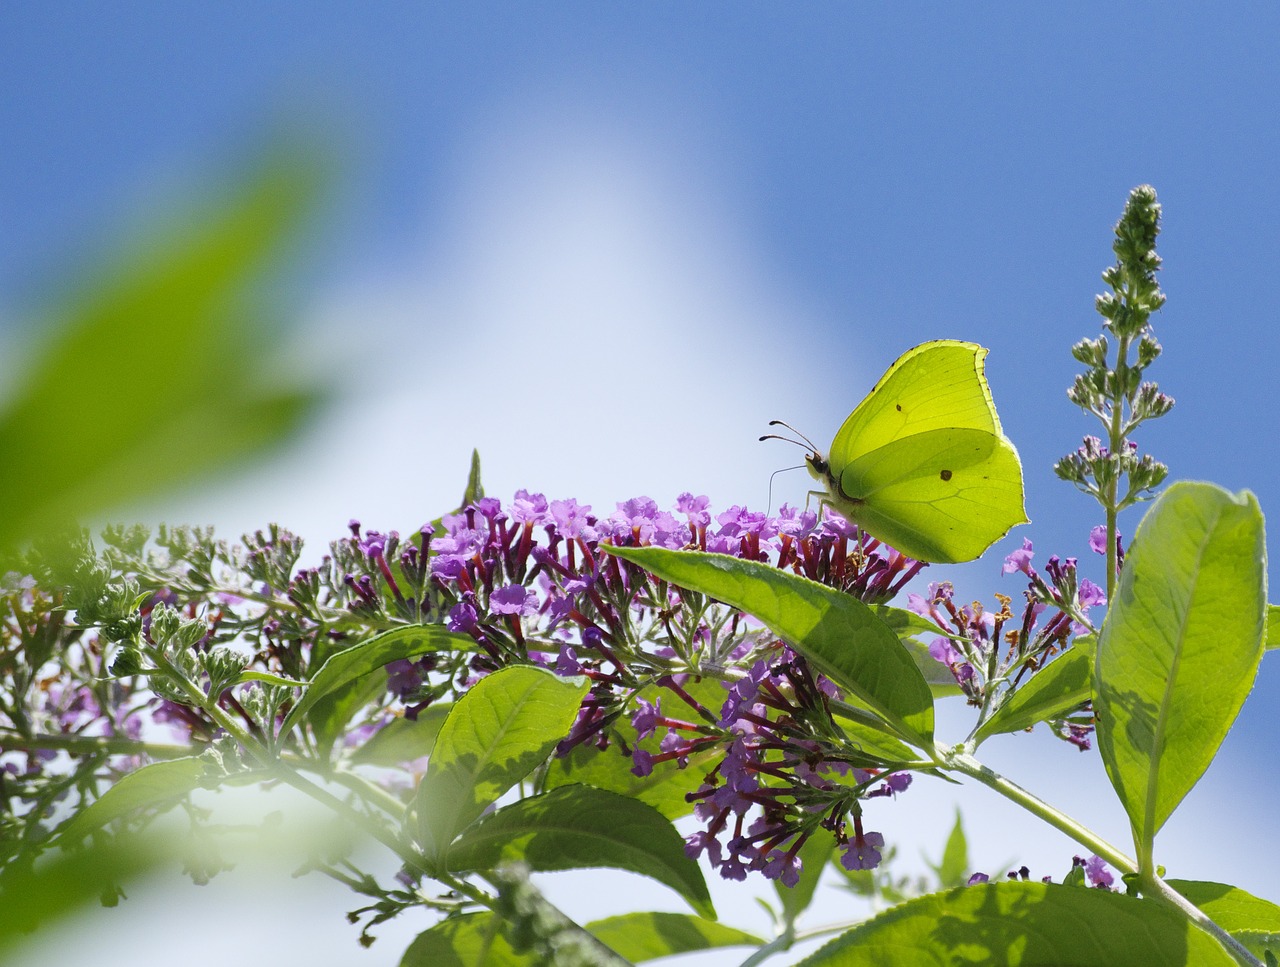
[69,880]
[163,366]
[403,740]
[648,936]
[952,870]
[472,940]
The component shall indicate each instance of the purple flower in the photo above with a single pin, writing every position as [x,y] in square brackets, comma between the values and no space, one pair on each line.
[783,866]
[863,852]
[641,762]
[943,650]
[1095,868]
[978,878]
[1091,594]
[1020,560]
[462,617]
[567,663]
[403,678]
[513,599]
[695,508]
[1098,539]
[695,843]
[645,717]
[373,544]
[527,508]
[571,519]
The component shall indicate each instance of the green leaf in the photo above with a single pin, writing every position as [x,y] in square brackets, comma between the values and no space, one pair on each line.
[474,489]
[1252,921]
[836,632]
[907,625]
[1064,684]
[666,786]
[268,678]
[648,936]
[577,827]
[494,736]
[953,869]
[403,740]
[164,366]
[813,855]
[1273,626]
[1027,925]
[66,881]
[151,785]
[1179,648]
[369,655]
[471,940]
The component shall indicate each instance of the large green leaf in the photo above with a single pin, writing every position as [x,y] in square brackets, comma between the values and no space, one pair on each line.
[152,785]
[495,735]
[648,936]
[1018,924]
[576,827]
[1252,921]
[353,663]
[1180,647]
[1064,684]
[836,632]
[164,366]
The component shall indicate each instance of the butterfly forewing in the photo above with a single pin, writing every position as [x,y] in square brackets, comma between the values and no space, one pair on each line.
[939,385]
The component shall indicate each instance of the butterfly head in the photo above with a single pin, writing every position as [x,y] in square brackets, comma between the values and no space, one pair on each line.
[814,461]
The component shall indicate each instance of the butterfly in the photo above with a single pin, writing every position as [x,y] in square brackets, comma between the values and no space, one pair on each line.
[922,463]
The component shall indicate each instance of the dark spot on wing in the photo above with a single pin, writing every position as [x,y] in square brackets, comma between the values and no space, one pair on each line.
[945,475]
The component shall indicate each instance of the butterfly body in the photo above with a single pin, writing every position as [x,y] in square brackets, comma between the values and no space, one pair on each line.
[922,463]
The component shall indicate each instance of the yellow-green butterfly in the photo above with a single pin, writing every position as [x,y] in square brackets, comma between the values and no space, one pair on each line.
[922,463]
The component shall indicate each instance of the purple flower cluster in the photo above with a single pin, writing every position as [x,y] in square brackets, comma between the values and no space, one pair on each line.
[530,581]
[991,649]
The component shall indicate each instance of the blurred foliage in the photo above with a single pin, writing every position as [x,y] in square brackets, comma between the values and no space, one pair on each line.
[165,364]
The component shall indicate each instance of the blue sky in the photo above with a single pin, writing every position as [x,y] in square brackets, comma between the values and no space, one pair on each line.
[624,236]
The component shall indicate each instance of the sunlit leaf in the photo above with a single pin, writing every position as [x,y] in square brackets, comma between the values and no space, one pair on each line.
[836,632]
[648,936]
[494,736]
[1024,924]
[1064,684]
[1180,647]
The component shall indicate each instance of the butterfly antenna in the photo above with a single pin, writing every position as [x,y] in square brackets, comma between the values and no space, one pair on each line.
[769,506]
[807,443]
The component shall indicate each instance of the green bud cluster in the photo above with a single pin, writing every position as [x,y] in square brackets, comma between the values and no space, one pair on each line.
[1110,469]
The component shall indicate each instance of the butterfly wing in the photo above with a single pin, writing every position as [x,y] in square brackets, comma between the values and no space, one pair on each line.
[922,463]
